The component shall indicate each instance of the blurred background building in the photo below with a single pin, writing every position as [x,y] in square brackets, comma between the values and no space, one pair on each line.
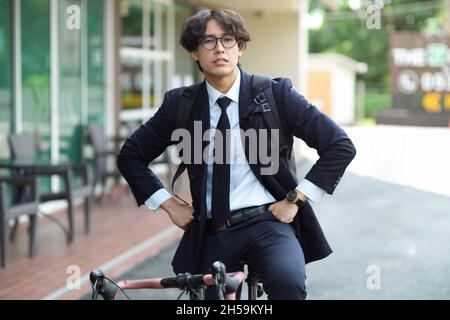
[332,85]
[67,63]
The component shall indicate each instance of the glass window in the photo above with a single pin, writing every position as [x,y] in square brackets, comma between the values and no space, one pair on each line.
[35,36]
[152,61]
[35,44]
[185,68]
[131,44]
[69,106]
[95,60]
[6,108]
[131,11]
[164,27]
[158,53]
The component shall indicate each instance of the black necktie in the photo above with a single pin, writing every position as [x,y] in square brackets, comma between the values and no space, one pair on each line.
[220,206]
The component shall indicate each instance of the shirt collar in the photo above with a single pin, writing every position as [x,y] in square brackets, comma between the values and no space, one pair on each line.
[233,93]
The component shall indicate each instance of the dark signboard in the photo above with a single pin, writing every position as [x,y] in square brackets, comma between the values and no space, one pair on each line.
[420,80]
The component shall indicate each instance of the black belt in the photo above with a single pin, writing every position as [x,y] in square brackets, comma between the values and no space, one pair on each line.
[236,217]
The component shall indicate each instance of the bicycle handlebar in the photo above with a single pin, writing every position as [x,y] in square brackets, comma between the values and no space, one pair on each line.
[228,282]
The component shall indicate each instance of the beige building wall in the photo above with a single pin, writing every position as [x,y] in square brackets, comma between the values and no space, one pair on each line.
[274,48]
[279,45]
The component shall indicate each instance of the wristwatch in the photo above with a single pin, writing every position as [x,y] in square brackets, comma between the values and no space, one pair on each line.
[293,198]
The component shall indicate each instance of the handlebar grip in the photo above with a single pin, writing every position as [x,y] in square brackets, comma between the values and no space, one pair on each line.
[231,284]
[182,281]
[171,282]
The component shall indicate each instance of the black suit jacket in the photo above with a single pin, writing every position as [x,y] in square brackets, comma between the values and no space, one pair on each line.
[303,120]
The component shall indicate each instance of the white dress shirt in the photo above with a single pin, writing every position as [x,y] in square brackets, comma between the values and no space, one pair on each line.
[245,189]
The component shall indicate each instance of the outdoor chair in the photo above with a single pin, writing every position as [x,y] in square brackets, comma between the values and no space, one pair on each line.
[10,210]
[163,159]
[24,152]
[103,151]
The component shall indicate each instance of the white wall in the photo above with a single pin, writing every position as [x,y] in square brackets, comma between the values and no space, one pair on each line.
[414,156]
[274,46]
[343,95]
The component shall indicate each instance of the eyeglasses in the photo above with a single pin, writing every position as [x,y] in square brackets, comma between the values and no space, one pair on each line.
[210,42]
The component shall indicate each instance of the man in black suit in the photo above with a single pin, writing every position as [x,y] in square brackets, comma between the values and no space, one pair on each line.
[238,213]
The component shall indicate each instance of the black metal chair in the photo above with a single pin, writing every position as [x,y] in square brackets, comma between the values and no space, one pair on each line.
[103,150]
[24,147]
[108,148]
[28,206]
[164,158]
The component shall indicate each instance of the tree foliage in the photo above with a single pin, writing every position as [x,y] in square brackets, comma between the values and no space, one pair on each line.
[346,32]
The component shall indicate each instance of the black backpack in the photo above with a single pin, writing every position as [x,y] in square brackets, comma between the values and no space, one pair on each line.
[264,102]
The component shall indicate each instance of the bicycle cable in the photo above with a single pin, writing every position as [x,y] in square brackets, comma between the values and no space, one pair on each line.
[220,288]
[118,287]
[94,290]
[185,291]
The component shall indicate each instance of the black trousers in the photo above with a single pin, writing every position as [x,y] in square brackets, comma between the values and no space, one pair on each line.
[271,248]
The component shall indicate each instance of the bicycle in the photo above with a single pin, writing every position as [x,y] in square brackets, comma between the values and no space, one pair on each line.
[226,284]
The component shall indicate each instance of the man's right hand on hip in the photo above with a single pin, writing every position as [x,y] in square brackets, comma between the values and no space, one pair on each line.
[180,214]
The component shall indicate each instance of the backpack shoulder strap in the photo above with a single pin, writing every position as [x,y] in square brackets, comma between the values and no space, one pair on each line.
[275,118]
[263,97]
[184,111]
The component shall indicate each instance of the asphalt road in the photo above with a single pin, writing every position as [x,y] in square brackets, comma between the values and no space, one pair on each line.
[389,242]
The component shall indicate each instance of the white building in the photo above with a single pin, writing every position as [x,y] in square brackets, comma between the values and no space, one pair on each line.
[332,85]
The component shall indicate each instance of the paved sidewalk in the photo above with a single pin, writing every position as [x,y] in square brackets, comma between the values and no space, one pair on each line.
[400,231]
[122,236]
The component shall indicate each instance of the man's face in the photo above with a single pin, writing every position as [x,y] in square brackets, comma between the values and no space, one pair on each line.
[220,61]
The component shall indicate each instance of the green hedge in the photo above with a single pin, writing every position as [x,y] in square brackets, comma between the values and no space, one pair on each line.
[376,99]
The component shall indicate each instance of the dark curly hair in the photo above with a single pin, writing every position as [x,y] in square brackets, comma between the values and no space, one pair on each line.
[194,27]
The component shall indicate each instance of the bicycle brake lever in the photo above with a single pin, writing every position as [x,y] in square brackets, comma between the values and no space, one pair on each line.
[96,275]
[104,289]
[218,270]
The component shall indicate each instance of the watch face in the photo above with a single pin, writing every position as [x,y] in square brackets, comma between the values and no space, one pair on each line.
[291,196]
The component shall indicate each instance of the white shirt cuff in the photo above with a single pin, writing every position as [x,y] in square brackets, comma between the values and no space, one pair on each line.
[155,200]
[309,189]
